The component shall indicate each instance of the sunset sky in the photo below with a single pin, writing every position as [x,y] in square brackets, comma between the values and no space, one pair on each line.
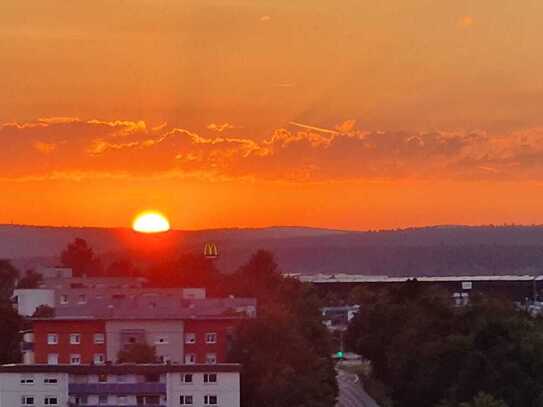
[353,114]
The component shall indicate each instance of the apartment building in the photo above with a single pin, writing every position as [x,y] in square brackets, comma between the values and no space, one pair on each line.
[185,331]
[166,385]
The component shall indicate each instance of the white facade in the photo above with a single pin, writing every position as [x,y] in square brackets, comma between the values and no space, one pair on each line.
[225,389]
[34,387]
[165,336]
[27,300]
[148,385]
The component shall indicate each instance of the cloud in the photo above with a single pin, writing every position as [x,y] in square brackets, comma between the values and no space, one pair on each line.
[221,127]
[45,148]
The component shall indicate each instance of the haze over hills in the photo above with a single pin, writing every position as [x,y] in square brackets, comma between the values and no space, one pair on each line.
[440,250]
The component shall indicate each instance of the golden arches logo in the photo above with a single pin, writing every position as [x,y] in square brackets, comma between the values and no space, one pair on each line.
[211,251]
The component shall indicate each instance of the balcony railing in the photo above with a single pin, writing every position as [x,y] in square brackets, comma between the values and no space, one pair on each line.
[115,405]
[117,388]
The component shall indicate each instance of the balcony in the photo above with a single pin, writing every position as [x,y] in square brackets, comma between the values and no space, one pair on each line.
[117,388]
[115,405]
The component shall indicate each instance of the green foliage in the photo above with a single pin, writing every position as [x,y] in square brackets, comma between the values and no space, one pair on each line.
[8,277]
[285,353]
[44,311]
[30,280]
[425,350]
[10,327]
[188,270]
[80,257]
[138,353]
[484,400]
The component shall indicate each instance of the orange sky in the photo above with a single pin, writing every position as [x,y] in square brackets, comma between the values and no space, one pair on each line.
[252,113]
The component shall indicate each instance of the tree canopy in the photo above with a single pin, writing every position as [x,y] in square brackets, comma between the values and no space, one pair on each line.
[425,350]
[286,351]
[138,353]
[80,257]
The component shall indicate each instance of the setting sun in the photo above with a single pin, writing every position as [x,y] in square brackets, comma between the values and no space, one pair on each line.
[151,222]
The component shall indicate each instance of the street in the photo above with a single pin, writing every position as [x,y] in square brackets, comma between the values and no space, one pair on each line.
[351,392]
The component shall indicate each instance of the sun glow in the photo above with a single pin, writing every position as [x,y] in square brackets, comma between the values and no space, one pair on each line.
[151,222]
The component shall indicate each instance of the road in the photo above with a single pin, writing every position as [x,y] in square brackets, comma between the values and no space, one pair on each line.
[351,392]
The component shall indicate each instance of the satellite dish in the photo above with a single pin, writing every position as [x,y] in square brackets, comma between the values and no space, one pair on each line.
[211,251]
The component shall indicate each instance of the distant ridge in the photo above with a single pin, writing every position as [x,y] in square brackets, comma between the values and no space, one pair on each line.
[434,250]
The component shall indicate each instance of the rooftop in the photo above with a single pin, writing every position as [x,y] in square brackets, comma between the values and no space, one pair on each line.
[158,308]
[359,278]
[119,369]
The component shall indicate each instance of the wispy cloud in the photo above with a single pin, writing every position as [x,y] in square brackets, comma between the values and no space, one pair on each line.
[301,153]
[222,127]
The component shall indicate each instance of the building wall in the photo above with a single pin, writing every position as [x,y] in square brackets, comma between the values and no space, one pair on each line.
[12,391]
[87,348]
[172,331]
[224,330]
[30,299]
[226,389]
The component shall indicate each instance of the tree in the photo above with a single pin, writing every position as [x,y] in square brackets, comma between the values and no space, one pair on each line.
[10,338]
[138,353]
[80,257]
[188,270]
[425,350]
[484,400]
[30,280]
[285,352]
[122,268]
[8,277]
[44,311]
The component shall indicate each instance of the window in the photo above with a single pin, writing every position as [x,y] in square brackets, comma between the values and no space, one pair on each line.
[211,358]
[102,378]
[210,400]
[75,359]
[99,358]
[190,359]
[210,377]
[186,378]
[121,400]
[120,379]
[165,358]
[102,399]
[80,400]
[162,340]
[50,401]
[52,359]
[27,380]
[211,337]
[75,339]
[52,339]
[190,338]
[99,338]
[185,400]
[50,380]
[82,299]
[27,400]
[64,299]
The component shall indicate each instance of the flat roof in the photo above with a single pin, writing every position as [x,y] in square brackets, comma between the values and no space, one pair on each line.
[122,368]
[360,278]
[157,308]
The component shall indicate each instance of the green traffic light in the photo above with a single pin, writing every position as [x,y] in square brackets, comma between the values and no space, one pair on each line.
[340,354]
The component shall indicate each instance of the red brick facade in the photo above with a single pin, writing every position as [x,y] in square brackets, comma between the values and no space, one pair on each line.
[222,328]
[63,329]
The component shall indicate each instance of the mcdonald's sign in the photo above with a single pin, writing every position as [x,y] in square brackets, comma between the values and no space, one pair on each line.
[211,251]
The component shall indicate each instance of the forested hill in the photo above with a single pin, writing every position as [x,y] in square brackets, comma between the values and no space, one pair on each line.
[442,250]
